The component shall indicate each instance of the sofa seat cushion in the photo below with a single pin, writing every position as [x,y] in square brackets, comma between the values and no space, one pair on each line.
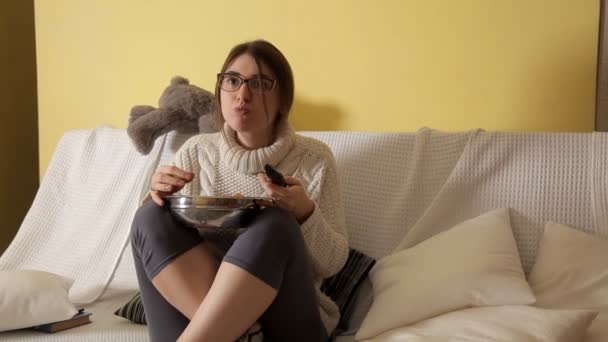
[105,325]
[497,324]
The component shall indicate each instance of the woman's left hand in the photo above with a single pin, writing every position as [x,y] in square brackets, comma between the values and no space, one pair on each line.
[292,198]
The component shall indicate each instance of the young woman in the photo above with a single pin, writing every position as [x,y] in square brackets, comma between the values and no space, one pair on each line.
[272,272]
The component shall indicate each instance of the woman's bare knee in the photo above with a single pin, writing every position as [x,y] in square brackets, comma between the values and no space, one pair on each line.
[185,281]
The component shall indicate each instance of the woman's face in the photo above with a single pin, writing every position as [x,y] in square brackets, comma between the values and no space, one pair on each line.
[243,109]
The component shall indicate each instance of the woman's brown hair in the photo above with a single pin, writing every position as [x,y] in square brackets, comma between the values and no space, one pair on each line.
[265,53]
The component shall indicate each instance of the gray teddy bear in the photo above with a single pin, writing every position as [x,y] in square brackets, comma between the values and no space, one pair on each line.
[182,106]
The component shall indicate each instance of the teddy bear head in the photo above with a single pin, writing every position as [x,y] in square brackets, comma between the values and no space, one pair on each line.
[182,106]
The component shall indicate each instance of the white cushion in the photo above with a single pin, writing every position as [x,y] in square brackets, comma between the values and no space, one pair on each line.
[475,263]
[497,323]
[29,298]
[571,269]
[571,272]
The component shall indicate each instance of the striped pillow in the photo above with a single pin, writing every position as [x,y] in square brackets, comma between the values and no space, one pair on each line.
[133,310]
[342,287]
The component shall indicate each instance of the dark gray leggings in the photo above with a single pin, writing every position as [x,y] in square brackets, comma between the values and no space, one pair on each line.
[272,249]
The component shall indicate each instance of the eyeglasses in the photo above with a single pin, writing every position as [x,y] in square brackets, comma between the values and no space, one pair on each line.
[233,82]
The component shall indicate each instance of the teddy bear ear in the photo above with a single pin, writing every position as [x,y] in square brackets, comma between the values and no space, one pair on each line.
[177,80]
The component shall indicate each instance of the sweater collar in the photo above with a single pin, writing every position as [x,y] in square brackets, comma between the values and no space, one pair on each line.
[248,161]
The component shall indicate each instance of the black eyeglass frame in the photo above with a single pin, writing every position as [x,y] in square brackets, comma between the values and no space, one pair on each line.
[245,80]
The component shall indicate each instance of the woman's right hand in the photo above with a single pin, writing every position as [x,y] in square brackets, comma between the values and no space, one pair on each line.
[167,180]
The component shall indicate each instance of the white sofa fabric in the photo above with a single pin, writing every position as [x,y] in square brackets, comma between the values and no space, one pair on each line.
[399,189]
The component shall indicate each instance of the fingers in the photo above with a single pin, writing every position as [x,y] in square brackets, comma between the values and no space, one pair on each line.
[156,198]
[288,198]
[169,179]
[175,172]
[290,180]
[272,190]
[164,182]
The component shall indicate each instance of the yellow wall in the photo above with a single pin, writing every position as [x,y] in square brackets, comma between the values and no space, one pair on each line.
[18,120]
[359,65]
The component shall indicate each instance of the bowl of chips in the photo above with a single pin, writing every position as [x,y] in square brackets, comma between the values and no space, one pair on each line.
[216,214]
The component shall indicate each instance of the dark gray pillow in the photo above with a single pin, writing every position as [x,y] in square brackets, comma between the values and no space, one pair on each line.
[353,318]
[343,286]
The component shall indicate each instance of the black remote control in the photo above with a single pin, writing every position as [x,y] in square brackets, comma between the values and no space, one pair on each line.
[275,176]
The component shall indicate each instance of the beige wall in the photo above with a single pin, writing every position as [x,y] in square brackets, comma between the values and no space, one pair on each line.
[18,115]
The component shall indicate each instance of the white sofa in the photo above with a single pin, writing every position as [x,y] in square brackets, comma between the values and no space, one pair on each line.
[399,189]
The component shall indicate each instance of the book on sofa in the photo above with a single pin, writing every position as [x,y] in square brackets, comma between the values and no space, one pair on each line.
[81,318]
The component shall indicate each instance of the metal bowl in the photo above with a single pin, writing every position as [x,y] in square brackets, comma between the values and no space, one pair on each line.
[216,214]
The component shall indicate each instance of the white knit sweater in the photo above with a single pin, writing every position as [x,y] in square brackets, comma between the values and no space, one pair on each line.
[223,167]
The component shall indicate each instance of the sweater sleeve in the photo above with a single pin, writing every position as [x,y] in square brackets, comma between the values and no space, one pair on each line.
[325,230]
[186,159]
[196,156]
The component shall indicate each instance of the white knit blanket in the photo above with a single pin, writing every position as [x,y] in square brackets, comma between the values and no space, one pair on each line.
[79,222]
[542,177]
[399,189]
[402,188]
